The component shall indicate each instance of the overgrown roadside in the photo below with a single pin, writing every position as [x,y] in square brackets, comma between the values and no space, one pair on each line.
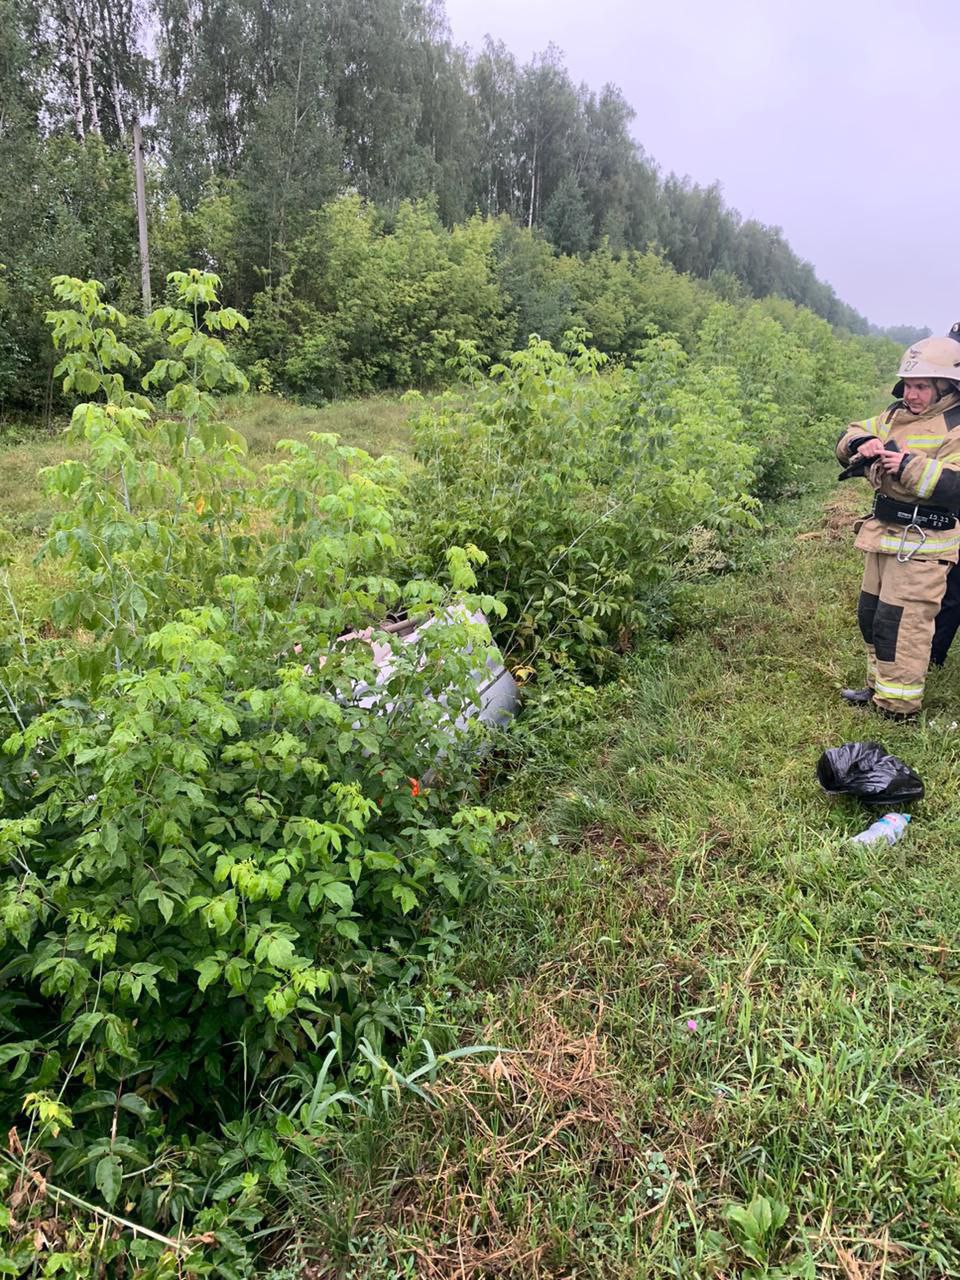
[730,1039]
[236,885]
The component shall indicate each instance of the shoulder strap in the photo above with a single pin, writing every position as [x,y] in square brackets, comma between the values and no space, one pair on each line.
[952,418]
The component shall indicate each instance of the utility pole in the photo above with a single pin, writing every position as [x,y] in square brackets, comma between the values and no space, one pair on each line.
[141,191]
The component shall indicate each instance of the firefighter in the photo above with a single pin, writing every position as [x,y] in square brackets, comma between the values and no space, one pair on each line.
[911,455]
[948,619]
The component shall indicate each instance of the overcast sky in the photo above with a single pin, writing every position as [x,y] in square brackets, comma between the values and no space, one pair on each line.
[839,122]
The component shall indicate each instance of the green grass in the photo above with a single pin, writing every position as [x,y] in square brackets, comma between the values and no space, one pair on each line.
[23,506]
[377,424]
[676,864]
[707,994]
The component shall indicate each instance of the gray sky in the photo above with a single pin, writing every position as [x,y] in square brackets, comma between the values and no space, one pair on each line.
[839,122]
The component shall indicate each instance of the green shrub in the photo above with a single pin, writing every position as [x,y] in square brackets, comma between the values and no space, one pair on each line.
[219,870]
[583,491]
[792,379]
[374,305]
[622,298]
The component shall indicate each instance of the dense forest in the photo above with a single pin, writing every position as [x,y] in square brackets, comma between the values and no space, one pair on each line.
[260,117]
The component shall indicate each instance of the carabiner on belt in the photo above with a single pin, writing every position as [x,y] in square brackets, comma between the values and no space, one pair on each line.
[902,555]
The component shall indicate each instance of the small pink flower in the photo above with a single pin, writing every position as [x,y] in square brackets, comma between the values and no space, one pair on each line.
[298,648]
[308,670]
[691,1024]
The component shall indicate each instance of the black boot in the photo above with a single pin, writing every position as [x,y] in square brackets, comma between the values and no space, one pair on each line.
[906,717]
[857,697]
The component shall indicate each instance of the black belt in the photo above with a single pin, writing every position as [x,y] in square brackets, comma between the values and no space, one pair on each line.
[896,511]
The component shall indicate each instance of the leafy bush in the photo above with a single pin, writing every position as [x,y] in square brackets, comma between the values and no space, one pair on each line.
[219,868]
[623,298]
[792,380]
[365,306]
[582,491]
[590,494]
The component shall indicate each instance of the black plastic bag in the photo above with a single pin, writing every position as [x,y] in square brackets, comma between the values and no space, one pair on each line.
[864,769]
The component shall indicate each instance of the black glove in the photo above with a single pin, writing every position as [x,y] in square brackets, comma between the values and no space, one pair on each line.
[859,466]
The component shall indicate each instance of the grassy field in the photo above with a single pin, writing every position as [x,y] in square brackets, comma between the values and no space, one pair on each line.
[377,424]
[730,1038]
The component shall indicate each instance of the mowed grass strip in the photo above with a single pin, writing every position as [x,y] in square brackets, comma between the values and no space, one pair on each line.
[706,997]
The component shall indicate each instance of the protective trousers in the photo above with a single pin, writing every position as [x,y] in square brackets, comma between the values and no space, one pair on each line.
[898,607]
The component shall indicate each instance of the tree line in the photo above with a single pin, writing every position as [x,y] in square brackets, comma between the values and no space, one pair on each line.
[258,113]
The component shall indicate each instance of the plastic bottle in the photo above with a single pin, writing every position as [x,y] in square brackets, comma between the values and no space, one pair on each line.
[890,828]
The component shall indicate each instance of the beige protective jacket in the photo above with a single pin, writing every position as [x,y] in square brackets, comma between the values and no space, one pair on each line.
[929,474]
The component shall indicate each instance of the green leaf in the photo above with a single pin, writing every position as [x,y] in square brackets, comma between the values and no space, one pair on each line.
[209,971]
[84,1025]
[381,860]
[339,894]
[234,971]
[108,1178]
[760,1208]
[115,1034]
[405,896]
[133,1103]
[23,1048]
[277,950]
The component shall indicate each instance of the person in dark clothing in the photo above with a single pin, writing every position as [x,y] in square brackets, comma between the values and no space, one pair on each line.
[948,619]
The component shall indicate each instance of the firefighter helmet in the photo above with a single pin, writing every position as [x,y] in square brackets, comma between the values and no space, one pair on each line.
[931,358]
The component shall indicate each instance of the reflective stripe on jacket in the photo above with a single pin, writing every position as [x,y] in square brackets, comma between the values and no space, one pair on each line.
[929,474]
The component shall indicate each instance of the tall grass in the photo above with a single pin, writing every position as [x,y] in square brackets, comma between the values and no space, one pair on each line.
[730,1037]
